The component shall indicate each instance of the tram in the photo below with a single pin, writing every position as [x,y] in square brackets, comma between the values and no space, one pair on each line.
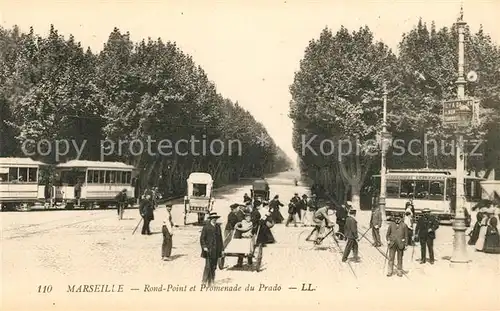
[91,184]
[19,184]
[427,188]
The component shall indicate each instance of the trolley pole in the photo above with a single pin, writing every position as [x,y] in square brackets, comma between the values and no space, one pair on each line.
[459,246]
[383,164]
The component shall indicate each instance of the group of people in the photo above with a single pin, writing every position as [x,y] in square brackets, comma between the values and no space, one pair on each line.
[484,235]
[404,231]
[244,221]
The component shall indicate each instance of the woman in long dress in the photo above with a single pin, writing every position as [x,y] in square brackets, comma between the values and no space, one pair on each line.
[265,236]
[274,209]
[474,234]
[482,233]
[492,239]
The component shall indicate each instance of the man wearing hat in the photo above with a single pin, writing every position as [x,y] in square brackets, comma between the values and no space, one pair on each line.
[342,217]
[293,209]
[425,231]
[397,240]
[121,202]
[146,210]
[351,234]
[212,245]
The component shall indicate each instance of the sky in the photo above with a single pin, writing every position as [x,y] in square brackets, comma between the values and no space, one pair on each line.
[250,49]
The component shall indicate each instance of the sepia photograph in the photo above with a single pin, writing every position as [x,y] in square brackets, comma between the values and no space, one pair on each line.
[250,155]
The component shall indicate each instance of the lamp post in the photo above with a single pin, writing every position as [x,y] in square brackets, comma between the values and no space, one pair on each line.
[383,165]
[464,115]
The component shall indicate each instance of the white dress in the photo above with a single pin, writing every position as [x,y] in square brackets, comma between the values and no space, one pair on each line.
[482,234]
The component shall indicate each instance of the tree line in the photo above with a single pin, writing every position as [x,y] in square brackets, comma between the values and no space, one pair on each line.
[52,88]
[338,93]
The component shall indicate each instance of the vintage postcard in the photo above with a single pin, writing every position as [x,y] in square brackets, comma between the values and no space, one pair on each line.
[250,155]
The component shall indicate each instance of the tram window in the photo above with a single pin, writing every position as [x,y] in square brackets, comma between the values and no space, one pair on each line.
[436,190]
[95,178]
[128,177]
[90,177]
[4,175]
[119,176]
[111,178]
[32,174]
[407,189]
[13,174]
[422,189]
[101,176]
[392,189]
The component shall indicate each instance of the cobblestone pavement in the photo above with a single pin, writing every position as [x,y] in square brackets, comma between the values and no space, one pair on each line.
[63,248]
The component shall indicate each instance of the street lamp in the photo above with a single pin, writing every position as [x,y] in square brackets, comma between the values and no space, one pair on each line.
[385,137]
[463,119]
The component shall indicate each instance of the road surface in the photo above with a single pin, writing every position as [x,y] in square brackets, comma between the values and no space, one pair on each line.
[65,248]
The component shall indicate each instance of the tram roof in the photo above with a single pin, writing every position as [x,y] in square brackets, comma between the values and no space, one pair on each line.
[20,162]
[95,164]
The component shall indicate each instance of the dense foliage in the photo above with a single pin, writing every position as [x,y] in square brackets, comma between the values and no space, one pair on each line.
[50,88]
[337,95]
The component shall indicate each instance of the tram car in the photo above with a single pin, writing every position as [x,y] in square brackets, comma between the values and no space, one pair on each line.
[19,184]
[92,184]
[199,198]
[428,188]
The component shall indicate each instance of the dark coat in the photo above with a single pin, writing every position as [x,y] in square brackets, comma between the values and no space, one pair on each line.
[240,215]
[351,228]
[232,220]
[121,197]
[211,238]
[397,235]
[341,215]
[376,219]
[426,227]
[146,210]
[255,219]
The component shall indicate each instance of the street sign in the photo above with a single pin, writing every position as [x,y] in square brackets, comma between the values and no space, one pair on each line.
[460,111]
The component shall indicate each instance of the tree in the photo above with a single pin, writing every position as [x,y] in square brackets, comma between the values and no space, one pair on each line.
[336,94]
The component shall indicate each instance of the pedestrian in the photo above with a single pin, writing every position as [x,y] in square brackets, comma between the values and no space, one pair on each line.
[293,208]
[397,240]
[168,231]
[78,191]
[351,234]
[146,210]
[212,245]
[474,234]
[375,224]
[488,214]
[246,198]
[425,231]
[341,217]
[303,210]
[232,220]
[409,218]
[121,201]
[274,209]
[492,239]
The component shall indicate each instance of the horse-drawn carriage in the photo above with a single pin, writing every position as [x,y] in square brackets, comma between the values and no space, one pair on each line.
[199,197]
[260,190]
